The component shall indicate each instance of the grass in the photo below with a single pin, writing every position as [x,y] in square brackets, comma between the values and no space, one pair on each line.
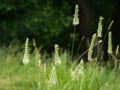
[20,70]
[14,75]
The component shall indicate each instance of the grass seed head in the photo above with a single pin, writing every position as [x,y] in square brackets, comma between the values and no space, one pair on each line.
[76,16]
[26,53]
[79,70]
[57,57]
[110,43]
[90,51]
[99,30]
[53,77]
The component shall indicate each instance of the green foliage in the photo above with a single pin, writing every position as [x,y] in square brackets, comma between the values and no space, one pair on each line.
[45,20]
[73,76]
[34,19]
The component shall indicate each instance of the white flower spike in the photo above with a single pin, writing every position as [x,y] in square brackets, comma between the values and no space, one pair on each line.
[26,53]
[76,16]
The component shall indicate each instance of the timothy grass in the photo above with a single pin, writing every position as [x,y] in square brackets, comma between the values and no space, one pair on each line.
[48,75]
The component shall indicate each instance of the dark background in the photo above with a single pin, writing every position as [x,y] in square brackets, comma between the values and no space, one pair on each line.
[50,21]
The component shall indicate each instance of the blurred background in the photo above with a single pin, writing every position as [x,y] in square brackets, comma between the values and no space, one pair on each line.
[50,21]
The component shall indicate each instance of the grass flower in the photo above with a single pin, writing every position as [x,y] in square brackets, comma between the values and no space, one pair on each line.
[76,18]
[57,57]
[110,43]
[79,70]
[75,22]
[99,30]
[53,77]
[117,50]
[90,51]
[26,53]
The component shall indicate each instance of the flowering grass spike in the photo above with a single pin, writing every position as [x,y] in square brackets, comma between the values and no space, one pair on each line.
[79,70]
[76,16]
[90,51]
[26,53]
[53,77]
[110,43]
[99,30]
[57,57]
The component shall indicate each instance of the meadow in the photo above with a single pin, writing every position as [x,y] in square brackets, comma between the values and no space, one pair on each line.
[21,69]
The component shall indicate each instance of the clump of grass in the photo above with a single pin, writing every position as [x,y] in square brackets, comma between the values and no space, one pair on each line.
[53,78]
[79,70]
[38,63]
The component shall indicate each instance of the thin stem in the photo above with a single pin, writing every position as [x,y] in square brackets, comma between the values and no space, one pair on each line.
[86,51]
[98,49]
[11,82]
[109,27]
[73,42]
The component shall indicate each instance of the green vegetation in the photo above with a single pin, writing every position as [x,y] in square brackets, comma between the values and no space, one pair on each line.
[34,19]
[45,20]
[24,69]
[55,73]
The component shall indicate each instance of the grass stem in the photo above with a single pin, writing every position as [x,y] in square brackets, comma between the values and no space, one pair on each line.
[73,43]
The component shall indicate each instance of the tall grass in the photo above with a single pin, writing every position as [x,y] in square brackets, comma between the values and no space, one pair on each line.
[48,75]
[20,70]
